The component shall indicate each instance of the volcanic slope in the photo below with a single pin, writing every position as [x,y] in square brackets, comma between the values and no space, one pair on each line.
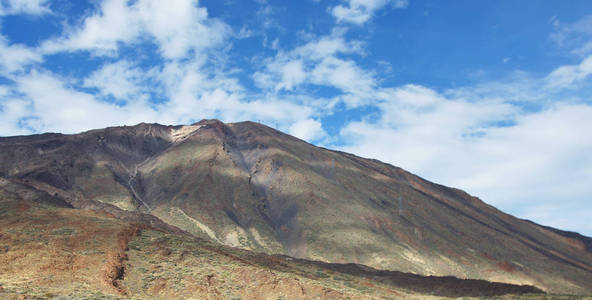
[48,249]
[249,186]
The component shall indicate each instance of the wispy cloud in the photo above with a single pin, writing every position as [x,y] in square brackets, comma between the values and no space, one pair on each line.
[570,75]
[14,58]
[120,80]
[322,61]
[361,11]
[53,106]
[573,36]
[29,7]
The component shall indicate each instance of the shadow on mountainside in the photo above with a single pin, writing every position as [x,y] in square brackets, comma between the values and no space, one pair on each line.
[447,286]
[444,286]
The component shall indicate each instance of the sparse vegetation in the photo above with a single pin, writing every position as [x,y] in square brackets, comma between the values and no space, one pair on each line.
[63,231]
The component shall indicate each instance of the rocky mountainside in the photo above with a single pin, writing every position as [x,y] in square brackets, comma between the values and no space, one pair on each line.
[50,250]
[248,186]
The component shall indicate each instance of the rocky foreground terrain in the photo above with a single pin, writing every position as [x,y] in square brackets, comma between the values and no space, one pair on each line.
[242,211]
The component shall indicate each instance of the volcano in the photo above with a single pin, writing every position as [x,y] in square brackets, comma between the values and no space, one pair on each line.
[150,198]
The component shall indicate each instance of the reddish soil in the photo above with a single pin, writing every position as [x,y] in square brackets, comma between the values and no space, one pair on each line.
[114,270]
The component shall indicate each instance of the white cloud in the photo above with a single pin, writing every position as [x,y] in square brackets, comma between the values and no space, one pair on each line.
[41,101]
[14,58]
[192,92]
[360,11]
[292,74]
[272,111]
[327,46]
[566,76]
[115,22]
[119,80]
[244,33]
[574,36]
[322,61]
[11,112]
[308,130]
[565,83]
[567,34]
[192,83]
[57,108]
[29,7]
[344,75]
[418,126]
[184,83]
[178,27]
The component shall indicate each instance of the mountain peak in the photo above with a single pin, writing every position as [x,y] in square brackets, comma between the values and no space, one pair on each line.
[208,122]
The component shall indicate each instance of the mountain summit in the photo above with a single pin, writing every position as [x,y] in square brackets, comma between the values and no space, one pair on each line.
[248,186]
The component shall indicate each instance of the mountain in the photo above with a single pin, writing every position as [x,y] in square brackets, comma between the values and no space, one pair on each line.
[246,188]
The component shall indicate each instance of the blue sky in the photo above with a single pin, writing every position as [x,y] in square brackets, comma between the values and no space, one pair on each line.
[493,97]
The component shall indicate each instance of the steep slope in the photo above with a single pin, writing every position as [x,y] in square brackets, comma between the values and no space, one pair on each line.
[247,185]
